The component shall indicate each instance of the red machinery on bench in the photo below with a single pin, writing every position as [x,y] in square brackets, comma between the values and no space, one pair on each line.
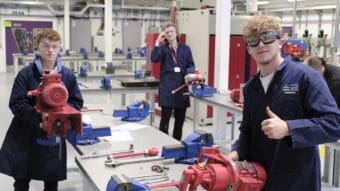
[51,102]
[214,172]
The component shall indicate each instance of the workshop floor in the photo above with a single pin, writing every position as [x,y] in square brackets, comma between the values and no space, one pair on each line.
[74,181]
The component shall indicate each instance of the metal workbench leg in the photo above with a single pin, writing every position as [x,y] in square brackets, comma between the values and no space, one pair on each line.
[196,114]
[328,165]
[336,172]
[233,125]
[152,108]
[16,64]
[123,99]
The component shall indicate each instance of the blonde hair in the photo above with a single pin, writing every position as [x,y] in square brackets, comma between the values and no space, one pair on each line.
[258,24]
[50,34]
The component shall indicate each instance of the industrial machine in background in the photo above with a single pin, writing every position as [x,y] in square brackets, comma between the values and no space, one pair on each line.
[57,116]
[296,48]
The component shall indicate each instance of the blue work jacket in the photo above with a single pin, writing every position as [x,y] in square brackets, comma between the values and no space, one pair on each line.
[20,155]
[300,96]
[172,74]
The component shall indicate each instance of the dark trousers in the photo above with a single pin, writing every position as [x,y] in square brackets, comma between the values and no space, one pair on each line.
[23,185]
[179,114]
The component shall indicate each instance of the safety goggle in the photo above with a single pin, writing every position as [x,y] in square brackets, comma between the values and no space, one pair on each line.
[266,37]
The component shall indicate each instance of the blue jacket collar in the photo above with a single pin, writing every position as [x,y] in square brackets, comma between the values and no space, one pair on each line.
[286,61]
[37,62]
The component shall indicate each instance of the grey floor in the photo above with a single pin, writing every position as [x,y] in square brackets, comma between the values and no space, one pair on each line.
[74,180]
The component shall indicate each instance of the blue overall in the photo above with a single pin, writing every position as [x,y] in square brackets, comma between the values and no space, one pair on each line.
[169,78]
[20,155]
[300,96]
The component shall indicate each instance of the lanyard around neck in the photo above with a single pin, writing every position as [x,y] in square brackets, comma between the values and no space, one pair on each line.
[174,54]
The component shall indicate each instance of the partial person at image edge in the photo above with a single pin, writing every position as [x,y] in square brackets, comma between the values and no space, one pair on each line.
[330,72]
[21,156]
[288,110]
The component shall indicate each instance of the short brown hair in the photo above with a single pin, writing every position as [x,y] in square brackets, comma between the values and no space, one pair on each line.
[50,34]
[315,62]
[258,24]
[171,25]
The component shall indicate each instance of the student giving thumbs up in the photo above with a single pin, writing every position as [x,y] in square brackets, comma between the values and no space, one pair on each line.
[274,127]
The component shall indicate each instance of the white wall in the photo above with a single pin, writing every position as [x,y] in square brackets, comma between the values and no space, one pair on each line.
[16,18]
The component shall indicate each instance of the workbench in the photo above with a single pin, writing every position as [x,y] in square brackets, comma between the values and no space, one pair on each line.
[119,74]
[94,91]
[94,62]
[96,175]
[331,170]
[224,104]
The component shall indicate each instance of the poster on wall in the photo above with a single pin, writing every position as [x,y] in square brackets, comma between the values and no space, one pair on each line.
[21,37]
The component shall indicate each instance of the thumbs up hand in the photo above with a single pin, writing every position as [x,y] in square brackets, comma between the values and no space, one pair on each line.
[274,127]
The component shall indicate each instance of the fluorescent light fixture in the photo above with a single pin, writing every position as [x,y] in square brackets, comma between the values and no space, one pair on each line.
[262,2]
[294,0]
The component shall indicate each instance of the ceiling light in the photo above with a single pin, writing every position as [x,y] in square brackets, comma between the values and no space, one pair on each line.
[294,0]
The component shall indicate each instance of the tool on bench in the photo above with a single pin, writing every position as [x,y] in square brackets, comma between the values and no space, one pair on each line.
[97,155]
[148,152]
[120,182]
[136,111]
[188,151]
[236,95]
[83,84]
[152,179]
[215,172]
[113,162]
[219,173]
[199,89]
[83,71]
[90,134]
[106,82]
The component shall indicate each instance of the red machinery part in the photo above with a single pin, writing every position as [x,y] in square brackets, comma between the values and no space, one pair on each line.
[51,101]
[153,151]
[235,95]
[219,173]
[195,77]
[55,95]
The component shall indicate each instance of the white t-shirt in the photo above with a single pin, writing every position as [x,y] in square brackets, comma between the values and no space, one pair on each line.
[266,81]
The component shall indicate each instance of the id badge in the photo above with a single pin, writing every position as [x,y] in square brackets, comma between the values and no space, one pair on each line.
[177,69]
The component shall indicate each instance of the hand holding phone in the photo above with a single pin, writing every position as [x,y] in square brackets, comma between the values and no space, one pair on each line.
[162,37]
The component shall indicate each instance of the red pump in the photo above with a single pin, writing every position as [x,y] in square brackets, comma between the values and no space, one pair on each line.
[51,99]
[218,173]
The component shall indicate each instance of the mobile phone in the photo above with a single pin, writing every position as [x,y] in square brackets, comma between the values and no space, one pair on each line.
[164,38]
